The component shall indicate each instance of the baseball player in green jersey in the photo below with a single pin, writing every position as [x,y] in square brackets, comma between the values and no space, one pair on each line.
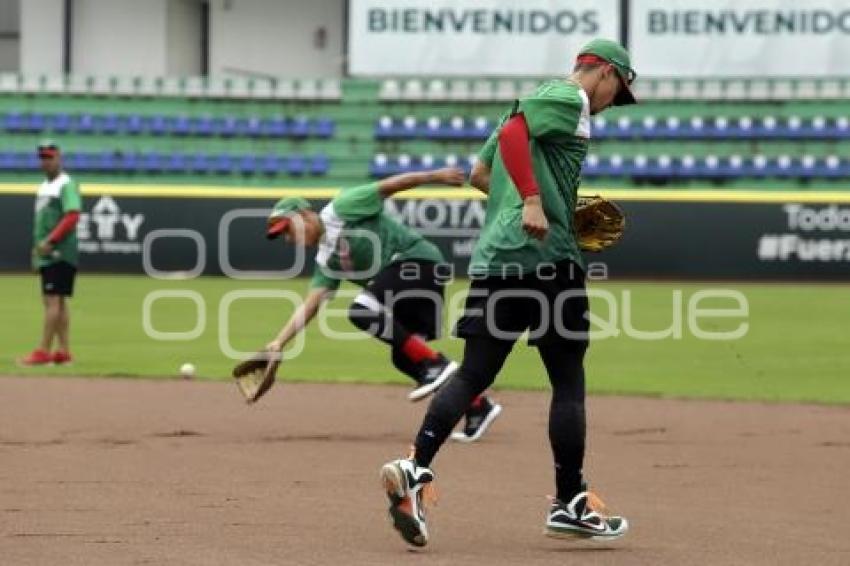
[528,275]
[55,252]
[402,275]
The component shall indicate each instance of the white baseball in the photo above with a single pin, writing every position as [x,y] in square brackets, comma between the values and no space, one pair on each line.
[187,370]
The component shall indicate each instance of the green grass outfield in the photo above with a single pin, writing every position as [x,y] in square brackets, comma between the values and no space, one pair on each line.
[795,348]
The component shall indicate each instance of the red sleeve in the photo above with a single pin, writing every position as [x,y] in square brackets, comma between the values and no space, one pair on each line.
[516,155]
[68,223]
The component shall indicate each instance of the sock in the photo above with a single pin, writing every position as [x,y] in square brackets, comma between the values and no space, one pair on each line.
[417,350]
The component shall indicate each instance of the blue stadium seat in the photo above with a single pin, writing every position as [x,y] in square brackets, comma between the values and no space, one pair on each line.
[59,123]
[252,127]
[84,124]
[129,162]
[384,128]
[177,163]
[179,126]
[296,165]
[200,163]
[478,129]
[275,127]
[380,166]
[109,124]
[153,162]
[37,123]
[135,124]
[202,126]
[323,128]
[319,165]
[223,164]
[12,122]
[157,125]
[271,165]
[107,161]
[7,161]
[300,127]
[227,127]
[247,164]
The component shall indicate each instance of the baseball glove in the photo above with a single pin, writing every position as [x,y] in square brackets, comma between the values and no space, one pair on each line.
[256,375]
[599,223]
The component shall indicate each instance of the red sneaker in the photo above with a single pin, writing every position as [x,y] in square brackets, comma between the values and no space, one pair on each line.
[61,357]
[37,357]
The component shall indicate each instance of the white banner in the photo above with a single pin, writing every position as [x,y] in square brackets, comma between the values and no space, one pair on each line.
[474,37]
[735,38]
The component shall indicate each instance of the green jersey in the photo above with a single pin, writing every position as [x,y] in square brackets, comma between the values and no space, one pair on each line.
[558,118]
[53,200]
[360,239]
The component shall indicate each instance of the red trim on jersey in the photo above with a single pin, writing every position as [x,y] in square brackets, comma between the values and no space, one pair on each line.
[516,155]
[68,223]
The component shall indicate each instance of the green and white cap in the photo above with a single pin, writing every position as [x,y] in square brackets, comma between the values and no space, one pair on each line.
[612,52]
[280,216]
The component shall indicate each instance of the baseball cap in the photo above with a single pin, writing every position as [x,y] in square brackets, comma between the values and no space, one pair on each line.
[284,209]
[47,148]
[614,53]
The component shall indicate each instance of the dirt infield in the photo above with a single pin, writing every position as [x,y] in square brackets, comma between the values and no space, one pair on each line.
[144,472]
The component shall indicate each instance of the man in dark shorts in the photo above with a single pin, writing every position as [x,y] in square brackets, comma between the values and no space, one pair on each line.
[55,253]
[402,275]
[528,275]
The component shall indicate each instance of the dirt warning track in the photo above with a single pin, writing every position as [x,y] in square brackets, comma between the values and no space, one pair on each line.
[110,472]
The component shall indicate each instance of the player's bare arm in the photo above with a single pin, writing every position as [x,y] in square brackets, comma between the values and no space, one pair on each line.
[299,320]
[480,177]
[452,176]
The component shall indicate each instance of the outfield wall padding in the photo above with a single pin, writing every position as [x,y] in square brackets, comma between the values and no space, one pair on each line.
[691,240]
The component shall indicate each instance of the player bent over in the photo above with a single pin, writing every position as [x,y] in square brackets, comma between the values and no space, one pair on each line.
[528,274]
[402,298]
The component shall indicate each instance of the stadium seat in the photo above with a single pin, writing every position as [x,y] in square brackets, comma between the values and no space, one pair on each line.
[413,90]
[109,124]
[222,164]
[177,163]
[389,90]
[247,164]
[319,165]
[323,128]
[271,165]
[299,128]
[296,165]
[459,91]
[436,90]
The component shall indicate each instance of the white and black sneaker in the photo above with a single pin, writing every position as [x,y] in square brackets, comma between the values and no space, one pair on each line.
[578,519]
[405,484]
[433,374]
[478,418]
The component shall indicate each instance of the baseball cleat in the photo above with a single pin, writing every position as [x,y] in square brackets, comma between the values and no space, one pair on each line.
[62,357]
[37,357]
[580,519]
[406,484]
[479,417]
[434,374]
